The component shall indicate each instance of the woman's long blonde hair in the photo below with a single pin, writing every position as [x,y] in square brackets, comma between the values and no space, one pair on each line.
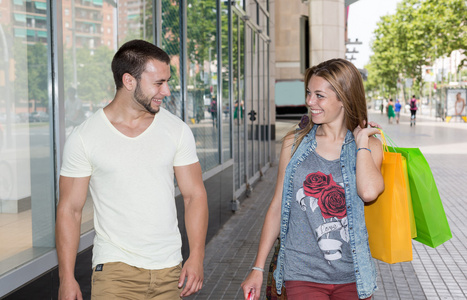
[346,81]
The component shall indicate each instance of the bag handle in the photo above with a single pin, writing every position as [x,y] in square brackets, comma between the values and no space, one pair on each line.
[384,140]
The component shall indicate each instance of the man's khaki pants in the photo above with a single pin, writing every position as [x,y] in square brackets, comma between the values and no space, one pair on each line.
[118,280]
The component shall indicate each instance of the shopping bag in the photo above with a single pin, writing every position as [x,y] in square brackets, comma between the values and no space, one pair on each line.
[387,218]
[413,227]
[430,219]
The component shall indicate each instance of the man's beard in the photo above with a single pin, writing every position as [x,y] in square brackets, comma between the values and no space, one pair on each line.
[143,100]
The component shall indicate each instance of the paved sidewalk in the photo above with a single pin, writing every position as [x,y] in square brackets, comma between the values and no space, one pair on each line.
[439,273]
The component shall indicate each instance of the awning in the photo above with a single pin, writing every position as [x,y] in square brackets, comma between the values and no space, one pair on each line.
[39,17]
[20,32]
[20,17]
[42,34]
[40,5]
[18,2]
[97,2]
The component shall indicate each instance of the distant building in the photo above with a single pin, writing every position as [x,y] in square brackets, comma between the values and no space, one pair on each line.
[307,33]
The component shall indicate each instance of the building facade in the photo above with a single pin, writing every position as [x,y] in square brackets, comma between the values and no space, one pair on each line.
[55,72]
[307,32]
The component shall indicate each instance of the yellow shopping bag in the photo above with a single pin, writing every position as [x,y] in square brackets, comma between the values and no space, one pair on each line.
[387,218]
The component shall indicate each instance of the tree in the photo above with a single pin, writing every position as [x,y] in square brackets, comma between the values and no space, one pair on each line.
[31,72]
[415,36]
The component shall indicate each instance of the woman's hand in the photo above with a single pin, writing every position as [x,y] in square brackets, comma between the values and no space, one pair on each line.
[370,182]
[253,284]
[362,134]
[374,124]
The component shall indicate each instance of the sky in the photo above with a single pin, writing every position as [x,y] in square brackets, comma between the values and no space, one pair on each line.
[363,16]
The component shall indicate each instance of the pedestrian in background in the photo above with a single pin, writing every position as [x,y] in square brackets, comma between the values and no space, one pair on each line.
[397,110]
[413,110]
[327,170]
[128,154]
[390,110]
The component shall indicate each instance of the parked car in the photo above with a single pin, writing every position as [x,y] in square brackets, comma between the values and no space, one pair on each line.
[38,116]
[14,118]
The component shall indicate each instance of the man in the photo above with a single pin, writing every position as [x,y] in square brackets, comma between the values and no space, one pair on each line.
[397,110]
[128,154]
[413,110]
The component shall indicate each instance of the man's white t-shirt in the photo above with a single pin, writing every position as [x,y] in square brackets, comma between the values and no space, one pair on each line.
[132,186]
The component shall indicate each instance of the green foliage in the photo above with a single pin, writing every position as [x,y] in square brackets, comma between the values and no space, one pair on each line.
[171,37]
[94,76]
[416,35]
[31,72]
[170,27]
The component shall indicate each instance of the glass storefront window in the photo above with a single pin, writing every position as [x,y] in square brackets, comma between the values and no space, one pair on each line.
[202,103]
[250,105]
[238,59]
[171,45]
[226,109]
[266,115]
[27,205]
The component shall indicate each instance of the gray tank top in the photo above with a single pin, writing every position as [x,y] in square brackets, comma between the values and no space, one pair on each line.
[317,245]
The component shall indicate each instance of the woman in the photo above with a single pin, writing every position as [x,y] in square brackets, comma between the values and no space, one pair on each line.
[327,170]
[391,112]
[413,110]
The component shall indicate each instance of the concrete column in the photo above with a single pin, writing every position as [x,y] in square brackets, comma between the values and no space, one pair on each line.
[327,30]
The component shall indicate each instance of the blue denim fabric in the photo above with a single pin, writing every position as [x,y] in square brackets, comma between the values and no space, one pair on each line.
[365,270]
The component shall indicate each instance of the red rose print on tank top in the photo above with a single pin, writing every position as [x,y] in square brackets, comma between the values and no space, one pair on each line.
[324,193]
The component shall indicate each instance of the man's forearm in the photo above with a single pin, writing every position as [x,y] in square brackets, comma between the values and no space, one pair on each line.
[67,234]
[196,223]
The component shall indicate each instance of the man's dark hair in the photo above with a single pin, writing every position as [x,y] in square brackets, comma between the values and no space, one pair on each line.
[132,57]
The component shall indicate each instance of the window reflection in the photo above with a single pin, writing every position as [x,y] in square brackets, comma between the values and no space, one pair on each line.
[202,103]
[225,107]
[238,59]
[171,45]
[26,178]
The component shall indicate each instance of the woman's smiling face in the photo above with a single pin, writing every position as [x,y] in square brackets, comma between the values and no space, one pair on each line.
[323,103]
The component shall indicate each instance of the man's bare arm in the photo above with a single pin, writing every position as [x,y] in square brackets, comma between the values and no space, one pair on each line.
[190,182]
[73,192]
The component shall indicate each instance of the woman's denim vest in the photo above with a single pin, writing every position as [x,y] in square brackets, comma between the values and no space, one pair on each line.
[365,271]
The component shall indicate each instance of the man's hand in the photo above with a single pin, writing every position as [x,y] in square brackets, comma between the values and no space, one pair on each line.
[69,290]
[193,272]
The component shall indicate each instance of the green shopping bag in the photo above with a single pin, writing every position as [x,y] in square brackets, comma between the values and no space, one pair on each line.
[430,218]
